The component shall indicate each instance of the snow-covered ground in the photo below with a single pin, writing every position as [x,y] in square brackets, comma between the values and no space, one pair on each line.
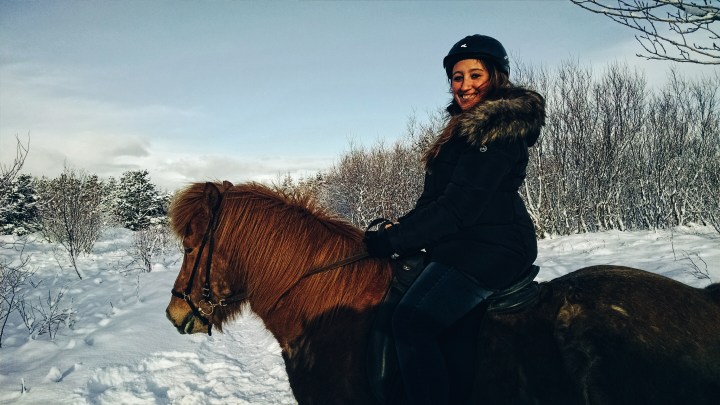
[122,350]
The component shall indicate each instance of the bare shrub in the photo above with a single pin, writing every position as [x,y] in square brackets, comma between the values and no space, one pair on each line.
[48,316]
[70,212]
[379,181]
[616,155]
[148,243]
[9,171]
[14,276]
[375,182]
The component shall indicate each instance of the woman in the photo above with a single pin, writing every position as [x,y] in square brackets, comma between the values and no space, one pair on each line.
[470,219]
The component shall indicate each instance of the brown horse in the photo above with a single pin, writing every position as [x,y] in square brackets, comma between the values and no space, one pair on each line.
[599,335]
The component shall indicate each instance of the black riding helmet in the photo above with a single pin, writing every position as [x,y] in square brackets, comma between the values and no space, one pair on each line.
[477,47]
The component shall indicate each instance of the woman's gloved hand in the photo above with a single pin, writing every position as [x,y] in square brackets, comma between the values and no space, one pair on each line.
[378,243]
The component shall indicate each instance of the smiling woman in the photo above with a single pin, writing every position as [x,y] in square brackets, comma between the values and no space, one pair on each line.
[470,219]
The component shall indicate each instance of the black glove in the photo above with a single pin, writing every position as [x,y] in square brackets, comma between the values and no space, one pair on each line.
[378,243]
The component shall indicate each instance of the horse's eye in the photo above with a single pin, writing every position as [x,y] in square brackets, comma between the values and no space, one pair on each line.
[188,250]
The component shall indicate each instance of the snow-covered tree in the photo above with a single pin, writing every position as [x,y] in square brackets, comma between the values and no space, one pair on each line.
[18,207]
[137,203]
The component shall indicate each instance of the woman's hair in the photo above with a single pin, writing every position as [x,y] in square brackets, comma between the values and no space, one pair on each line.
[497,80]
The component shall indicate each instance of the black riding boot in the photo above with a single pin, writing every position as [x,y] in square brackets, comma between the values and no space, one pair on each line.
[439,297]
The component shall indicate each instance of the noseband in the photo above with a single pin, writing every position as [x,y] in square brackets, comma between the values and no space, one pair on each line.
[206,306]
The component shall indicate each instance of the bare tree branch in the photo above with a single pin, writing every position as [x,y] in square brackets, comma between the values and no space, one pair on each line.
[9,171]
[689,24]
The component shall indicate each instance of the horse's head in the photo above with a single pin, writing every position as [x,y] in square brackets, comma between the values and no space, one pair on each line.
[252,240]
[205,293]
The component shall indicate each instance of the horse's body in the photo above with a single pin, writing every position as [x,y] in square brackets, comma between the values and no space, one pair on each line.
[599,335]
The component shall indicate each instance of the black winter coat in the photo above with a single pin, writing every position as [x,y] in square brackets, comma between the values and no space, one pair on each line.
[470,214]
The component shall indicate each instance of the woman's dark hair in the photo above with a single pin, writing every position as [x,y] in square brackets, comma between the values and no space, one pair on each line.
[498,79]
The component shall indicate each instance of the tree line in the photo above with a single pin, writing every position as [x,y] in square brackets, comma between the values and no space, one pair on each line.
[73,208]
[29,204]
[615,154]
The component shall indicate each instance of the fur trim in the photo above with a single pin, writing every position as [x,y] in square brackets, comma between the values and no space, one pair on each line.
[511,113]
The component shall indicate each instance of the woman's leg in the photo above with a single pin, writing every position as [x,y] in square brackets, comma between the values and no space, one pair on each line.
[439,297]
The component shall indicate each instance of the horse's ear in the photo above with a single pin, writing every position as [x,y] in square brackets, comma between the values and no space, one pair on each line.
[212,196]
[227,184]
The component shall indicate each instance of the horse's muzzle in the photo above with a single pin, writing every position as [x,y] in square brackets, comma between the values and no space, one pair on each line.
[189,324]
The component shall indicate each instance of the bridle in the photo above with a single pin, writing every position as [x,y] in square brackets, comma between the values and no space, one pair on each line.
[206,306]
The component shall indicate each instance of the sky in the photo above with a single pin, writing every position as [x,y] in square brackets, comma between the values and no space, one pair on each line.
[239,91]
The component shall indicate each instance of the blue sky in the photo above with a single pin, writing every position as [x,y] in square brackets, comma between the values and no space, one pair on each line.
[234,90]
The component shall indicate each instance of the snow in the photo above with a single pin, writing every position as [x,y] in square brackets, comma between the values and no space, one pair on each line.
[122,350]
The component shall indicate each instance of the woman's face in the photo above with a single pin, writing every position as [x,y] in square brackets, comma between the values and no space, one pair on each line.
[468,82]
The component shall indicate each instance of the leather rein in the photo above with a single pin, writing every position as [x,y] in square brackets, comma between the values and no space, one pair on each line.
[207,306]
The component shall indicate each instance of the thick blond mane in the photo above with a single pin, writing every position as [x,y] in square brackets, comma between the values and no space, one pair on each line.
[270,238]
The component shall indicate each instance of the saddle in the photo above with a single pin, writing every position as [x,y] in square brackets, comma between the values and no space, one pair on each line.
[382,366]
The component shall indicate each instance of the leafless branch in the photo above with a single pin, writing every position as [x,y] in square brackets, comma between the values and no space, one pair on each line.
[688,23]
[9,171]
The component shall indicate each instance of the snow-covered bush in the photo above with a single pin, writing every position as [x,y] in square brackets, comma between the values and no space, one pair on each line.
[614,154]
[149,243]
[48,316]
[71,212]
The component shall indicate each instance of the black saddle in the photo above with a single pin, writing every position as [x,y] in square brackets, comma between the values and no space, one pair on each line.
[382,368]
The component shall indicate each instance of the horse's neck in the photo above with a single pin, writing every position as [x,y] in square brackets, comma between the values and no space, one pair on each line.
[309,306]
[319,347]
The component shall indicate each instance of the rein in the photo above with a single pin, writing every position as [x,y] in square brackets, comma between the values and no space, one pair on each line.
[323,269]
[344,262]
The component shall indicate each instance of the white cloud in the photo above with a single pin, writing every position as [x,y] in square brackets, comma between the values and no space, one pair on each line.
[655,71]
[65,124]
[175,171]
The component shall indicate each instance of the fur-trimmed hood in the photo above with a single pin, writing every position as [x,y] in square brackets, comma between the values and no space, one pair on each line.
[509,114]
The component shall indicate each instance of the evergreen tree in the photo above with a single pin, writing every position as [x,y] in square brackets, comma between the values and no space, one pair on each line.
[137,203]
[18,207]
